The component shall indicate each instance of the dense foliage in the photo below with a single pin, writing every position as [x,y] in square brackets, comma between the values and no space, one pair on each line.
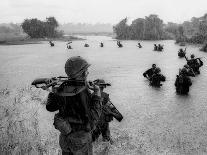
[150,28]
[39,29]
[193,31]
[153,28]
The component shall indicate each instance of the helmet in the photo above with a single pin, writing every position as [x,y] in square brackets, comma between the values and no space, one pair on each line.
[157,70]
[186,66]
[153,65]
[75,66]
[192,56]
[184,71]
[99,82]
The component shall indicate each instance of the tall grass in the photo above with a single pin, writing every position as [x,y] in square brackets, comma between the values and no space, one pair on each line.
[20,124]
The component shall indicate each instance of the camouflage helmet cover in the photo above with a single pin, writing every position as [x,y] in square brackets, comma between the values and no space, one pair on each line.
[75,66]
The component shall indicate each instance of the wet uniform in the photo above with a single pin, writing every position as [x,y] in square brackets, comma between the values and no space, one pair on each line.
[182,84]
[156,80]
[103,124]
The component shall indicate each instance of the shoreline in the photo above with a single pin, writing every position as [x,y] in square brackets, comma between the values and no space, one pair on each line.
[24,41]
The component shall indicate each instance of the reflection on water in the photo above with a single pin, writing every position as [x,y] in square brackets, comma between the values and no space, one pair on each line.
[155,120]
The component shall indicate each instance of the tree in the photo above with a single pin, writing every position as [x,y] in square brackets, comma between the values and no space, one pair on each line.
[122,29]
[153,27]
[34,28]
[50,26]
[39,29]
[138,29]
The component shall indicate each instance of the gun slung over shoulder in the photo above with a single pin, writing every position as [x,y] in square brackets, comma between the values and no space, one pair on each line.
[110,108]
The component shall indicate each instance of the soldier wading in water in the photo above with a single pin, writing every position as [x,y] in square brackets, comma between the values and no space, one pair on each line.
[79,109]
[106,117]
[148,73]
[156,78]
[183,82]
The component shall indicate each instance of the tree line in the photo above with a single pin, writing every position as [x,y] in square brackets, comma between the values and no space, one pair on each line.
[152,28]
[36,28]
[149,28]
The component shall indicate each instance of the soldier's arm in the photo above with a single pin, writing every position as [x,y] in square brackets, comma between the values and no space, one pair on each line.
[145,74]
[52,102]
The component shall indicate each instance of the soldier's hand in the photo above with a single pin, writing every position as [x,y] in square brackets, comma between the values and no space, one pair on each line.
[94,87]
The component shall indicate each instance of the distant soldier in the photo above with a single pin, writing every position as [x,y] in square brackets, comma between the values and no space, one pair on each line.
[106,117]
[155,47]
[160,47]
[181,52]
[148,73]
[119,44]
[139,45]
[101,44]
[157,78]
[51,43]
[183,82]
[68,45]
[86,45]
[195,63]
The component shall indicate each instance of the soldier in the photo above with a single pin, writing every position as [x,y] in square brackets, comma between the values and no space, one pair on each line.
[183,82]
[148,73]
[51,43]
[68,45]
[139,45]
[155,47]
[190,71]
[160,47]
[181,52]
[79,109]
[86,45]
[106,117]
[101,44]
[195,63]
[119,44]
[157,78]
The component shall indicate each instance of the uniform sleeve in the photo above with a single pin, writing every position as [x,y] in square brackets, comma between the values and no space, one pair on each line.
[52,102]
[147,72]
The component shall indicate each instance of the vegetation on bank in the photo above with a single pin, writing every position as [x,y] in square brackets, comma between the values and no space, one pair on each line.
[153,28]
[40,29]
[149,28]
[32,31]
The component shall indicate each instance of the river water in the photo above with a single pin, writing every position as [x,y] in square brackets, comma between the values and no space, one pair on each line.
[156,120]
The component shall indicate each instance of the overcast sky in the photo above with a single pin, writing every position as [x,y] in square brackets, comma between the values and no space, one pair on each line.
[100,11]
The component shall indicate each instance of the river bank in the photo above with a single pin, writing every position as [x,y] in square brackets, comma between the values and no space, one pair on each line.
[22,40]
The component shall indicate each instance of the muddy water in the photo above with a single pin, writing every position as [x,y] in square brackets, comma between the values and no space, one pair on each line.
[156,121]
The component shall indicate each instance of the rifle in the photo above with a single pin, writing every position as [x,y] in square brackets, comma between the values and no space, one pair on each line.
[55,82]
[109,108]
